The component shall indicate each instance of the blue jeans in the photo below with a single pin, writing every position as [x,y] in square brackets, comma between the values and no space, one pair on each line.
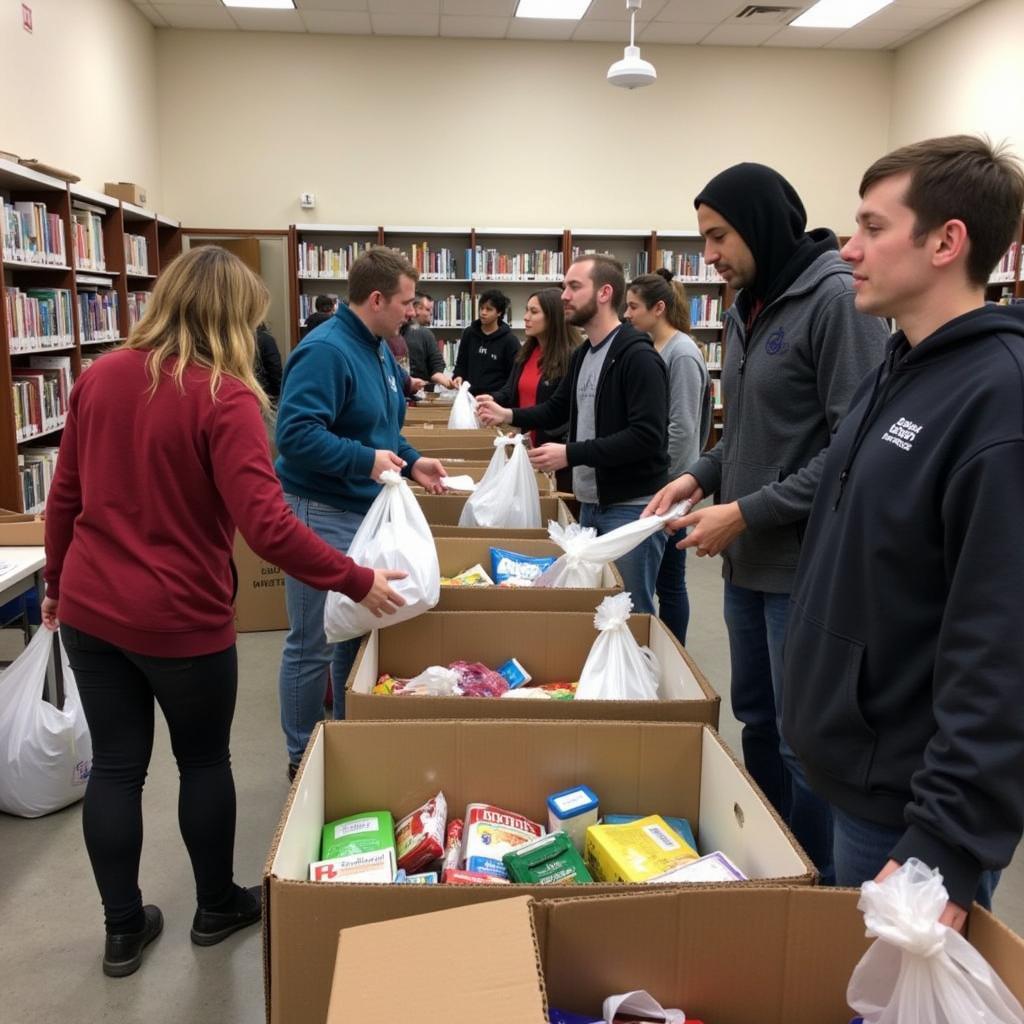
[862,848]
[306,655]
[638,569]
[673,601]
[756,622]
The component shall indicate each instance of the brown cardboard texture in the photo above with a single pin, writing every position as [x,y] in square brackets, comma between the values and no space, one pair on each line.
[259,602]
[477,468]
[456,554]
[443,511]
[727,956]
[126,191]
[551,646]
[18,530]
[679,769]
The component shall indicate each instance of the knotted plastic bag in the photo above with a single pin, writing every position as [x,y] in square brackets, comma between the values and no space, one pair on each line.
[393,535]
[463,414]
[507,495]
[435,681]
[919,971]
[617,667]
[45,752]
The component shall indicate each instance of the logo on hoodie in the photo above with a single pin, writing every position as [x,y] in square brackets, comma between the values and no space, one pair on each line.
[775,344]
[903,433]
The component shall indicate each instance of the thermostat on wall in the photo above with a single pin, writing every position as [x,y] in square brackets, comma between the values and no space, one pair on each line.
[307,200]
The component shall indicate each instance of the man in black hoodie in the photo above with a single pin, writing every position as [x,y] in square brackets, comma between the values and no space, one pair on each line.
[904,676]
[487,348]
[615,399]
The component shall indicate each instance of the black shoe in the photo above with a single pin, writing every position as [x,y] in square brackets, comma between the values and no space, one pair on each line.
[210,926]
[123,953]
[292,769]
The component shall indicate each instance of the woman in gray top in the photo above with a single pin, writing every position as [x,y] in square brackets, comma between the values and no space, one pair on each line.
[659,307]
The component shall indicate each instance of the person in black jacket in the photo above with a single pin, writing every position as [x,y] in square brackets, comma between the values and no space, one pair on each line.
[487,348]
[905,648]
[268,363]
[615,397]
[324,307]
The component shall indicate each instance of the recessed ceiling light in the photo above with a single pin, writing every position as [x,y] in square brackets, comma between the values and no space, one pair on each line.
[266,5]
[568,10]
[838,13]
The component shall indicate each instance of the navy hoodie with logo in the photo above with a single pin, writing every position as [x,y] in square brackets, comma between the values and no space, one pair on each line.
[904,659]
[486,360]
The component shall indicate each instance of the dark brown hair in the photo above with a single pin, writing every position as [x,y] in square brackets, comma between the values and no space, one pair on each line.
[654,288]
[378,270]
[606,269]
[960,177]
[560,337]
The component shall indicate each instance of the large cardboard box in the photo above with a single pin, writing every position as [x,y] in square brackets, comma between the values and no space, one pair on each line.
[725,956]
[476,468]
[552,646]
[428,412]
[456,554]
[18,530]
[350,767]
[443,511]
[259,601]
[127,191]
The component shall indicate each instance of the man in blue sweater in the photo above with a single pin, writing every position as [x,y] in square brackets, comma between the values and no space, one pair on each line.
[339,428]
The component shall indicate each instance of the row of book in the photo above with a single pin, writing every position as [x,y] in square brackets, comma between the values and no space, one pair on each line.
[716,392]
[1006,269]
[87,222]
[36,466]
[706,311]
[491,265]
[136,254]
[97,315]
[713,354]
[454,311]
[29,233]
[40,393]
[137,302]
[690,266]
[633,266]
[435,263]
[307,304]
[323,261]
[38,318]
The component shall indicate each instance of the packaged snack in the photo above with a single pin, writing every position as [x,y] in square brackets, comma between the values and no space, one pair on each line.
[514,673]
[508,565]
[563,1017]
[559,690]
[529,692]
[549,860]
[715,867]
[360,833]
[635,852]
[388,685]
[420,836]
[476,680]
[458,876]
[491,833]
[422,878]
[680,826]
[377,866]
[573,811]
[475,576]
[452,845]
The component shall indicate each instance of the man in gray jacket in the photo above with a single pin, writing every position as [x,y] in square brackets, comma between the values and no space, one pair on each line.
[795,350]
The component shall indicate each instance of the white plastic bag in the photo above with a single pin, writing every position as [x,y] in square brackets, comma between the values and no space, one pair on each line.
[919,971]
[507,495]
[586,554]
[617,667]
[393,535]
[643,1004]
[463,414]
[45,752]
[435,681]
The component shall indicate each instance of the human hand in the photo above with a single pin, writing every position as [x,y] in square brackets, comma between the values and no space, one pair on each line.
[428,473]
[953,915]
[714,528]
[456,382]
[417,384]
[383,461]
[381,599]
[548,457]
[49,613]
[491,414]
[443,380]
[672,493]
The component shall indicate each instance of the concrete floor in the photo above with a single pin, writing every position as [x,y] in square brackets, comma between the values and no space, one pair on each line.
[51,938]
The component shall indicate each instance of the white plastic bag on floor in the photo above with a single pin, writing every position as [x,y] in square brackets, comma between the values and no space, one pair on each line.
[45,752]
[507,495]
[393,535]
[617,667]
[919,971]
[586,554]
[463,414]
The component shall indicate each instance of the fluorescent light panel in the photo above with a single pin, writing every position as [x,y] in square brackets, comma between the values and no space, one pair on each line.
[263,5]
[838,13]
[567,10]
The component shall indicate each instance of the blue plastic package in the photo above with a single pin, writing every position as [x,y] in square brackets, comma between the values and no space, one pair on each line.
[562,1017]
[680,825]
[508,565]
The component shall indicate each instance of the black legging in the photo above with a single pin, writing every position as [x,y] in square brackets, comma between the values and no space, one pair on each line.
[197,697]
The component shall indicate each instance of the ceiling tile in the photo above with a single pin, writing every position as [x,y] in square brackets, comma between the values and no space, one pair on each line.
[803,37]
[405,24]
[479,7]
[739,35]
[473,27]
[674,32]
[191,16]
[865,39]
[905,18]
[332,5]
[188,3]
[405,7]
[152,14]
[541,28]
[703,12]
[602,31]
[346,23]
[612,10]
[268,21]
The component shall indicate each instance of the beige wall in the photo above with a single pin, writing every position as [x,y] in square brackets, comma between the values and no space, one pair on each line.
[79,92]
[967,75]
[437,132]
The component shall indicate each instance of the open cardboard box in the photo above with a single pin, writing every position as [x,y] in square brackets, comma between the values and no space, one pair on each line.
[259,600]
[349,767]
[551,646]
[456,554]
[725,956]
[443,511]
[18,530]
[476,469]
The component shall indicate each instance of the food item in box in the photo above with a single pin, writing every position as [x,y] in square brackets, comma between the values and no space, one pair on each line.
[680,826]
[459,876]
[452,845]
[573,811]
[420,836]
[359,833]
[549,860]
[714,867]
[375,866]
[509,567]
[388,685]
[475,576]
[476,680]
[421,878]
[490,833]
[514,673]
[559,690]
[635,852]
[529,692]
[564,1017]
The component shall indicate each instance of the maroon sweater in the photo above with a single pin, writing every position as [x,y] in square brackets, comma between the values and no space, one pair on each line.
[141,515]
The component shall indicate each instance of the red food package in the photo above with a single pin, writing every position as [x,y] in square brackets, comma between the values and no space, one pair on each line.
[476,680]
[456,876]
[452,845]
[419,837]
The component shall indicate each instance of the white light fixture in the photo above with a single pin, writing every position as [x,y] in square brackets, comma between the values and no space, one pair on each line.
[838,13]
[567,10]
[263,5]
[632,71]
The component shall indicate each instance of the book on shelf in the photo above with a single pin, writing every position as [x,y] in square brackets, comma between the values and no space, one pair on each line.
[307,305]
[36,467]
[323,261]
[137,302]
[36,394]
[87,222]
[433,263]
[1006,269]
[489,264]
[706,310]
[689,266]
[136,255]
[31,234]
[632,266]
[716,392]
[38,318]
[712,354]
[97,314]
[453,311]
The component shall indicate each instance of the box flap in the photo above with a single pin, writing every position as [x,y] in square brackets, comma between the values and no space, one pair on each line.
[297,842]
[436,976]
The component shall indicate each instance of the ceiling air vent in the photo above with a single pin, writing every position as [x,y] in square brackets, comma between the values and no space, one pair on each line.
[768,14]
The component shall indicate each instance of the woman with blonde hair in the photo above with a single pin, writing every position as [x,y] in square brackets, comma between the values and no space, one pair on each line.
[164,453]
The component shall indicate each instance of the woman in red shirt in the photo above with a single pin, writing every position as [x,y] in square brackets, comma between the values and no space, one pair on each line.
[164,453]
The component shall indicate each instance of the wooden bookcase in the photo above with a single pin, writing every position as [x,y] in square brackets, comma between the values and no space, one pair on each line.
[1007,280]
[74,277]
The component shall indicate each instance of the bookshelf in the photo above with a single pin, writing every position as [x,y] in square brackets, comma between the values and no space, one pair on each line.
[1006,283]
[66,284]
